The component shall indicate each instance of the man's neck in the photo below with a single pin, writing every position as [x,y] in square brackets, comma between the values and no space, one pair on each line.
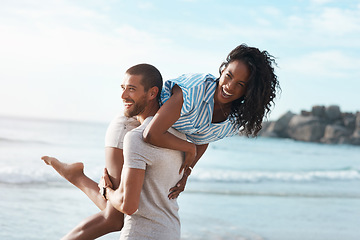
[149,111]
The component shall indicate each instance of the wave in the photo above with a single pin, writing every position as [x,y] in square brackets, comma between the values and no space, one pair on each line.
[278,176]
[22,141]
[39,175]
[19,175]
[274,193]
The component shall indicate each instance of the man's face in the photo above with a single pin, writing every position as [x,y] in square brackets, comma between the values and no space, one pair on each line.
[134,95]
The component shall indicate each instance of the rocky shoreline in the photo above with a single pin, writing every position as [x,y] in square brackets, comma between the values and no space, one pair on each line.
[321,124]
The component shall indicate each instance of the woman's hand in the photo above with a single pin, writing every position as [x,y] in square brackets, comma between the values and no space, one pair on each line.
[104,183]
[189,157]
[180,187]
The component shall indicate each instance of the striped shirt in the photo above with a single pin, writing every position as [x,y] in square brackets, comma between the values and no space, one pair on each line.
[197,110]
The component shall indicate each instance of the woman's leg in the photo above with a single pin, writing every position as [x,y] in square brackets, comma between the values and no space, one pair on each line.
[74,173]
[109,219]
[114,161]
[106,221]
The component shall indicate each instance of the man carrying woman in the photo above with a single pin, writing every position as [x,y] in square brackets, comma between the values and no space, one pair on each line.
[203,107]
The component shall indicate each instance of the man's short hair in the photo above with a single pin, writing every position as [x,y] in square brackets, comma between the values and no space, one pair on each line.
[151,76]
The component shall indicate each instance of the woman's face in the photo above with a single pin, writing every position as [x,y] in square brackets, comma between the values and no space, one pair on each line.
[233,82]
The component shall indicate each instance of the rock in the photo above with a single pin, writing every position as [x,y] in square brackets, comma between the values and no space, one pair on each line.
[356,133]
[298,120]
[318,111]
[333,112]
[265,126]
[268,130]
[355,137]
[309,129]
[280,126]
[355,141]
[349,120]
[321,124]
[357,121]
[277,128]
[305,113]
[344,140]
[335,134]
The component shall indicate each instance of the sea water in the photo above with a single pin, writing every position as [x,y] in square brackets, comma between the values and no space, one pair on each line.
[242,188]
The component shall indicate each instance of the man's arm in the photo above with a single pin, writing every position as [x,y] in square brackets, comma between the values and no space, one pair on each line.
[126,198]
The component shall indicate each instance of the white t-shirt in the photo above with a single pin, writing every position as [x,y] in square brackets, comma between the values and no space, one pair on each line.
[157,216]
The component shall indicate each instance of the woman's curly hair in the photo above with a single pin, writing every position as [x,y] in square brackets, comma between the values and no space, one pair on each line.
[247,112]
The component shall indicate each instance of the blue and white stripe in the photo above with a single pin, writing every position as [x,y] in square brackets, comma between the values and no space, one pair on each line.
[197,110]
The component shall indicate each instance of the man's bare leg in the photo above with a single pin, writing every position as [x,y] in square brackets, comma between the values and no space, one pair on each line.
[74,173]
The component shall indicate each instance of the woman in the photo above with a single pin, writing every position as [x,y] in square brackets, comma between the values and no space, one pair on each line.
[203,107]
[207,109]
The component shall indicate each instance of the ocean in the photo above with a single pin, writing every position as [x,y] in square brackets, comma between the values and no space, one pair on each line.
[254,189]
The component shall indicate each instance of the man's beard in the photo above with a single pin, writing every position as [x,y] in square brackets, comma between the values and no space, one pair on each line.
[137,108]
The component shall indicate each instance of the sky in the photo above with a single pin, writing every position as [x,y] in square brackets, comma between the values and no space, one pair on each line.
[65,59]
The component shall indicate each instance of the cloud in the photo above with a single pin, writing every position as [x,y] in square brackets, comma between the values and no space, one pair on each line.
[330,65]
[320,2]
[337,22]
[320,28]
[48,12]
[146,5]
[272,11]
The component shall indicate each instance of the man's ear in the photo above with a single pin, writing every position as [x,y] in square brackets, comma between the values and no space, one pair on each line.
[153,92]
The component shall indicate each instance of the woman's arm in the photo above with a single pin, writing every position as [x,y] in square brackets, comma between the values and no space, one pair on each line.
[180,186]
[156,132]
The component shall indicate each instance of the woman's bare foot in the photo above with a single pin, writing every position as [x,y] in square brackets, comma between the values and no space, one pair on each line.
[70,172]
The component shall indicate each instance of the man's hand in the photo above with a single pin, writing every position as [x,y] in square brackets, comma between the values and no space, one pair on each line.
[104,183]
[180,187]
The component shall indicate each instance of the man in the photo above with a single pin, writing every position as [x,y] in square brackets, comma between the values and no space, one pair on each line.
[147,176]
[148,172]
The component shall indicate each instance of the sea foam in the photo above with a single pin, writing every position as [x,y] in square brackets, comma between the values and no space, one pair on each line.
[282,176]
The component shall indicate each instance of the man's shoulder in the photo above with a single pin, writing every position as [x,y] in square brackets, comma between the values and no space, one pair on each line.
[134,135]
[137,133]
